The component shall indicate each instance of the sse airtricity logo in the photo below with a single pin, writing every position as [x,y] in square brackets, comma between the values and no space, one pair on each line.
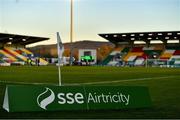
[44,102]
[77,98]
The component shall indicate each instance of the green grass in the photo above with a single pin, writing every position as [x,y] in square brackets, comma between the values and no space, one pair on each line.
[165,92]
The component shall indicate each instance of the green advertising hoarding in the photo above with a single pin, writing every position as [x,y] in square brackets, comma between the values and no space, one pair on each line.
[54,98]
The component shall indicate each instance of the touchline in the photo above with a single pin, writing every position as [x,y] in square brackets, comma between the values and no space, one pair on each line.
[70,98]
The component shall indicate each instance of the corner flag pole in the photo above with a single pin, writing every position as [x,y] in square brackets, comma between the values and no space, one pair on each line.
[60,49]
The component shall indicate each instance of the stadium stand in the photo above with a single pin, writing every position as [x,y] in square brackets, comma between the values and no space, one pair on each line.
[163,53]
[13,51]
[110,60]
[167,54]
[8,57]
[26,51]
[107,60]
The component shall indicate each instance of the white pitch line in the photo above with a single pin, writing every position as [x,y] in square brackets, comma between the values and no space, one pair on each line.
[90,83]
[25,83]
[118,81]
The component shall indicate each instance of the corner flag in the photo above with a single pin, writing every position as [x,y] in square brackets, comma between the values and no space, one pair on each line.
[60,49]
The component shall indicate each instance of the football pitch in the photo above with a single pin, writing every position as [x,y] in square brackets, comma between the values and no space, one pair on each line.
[163,84]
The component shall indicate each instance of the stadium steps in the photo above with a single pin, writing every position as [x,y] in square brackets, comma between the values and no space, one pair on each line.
[125,50]
[43,62]
[177,62]
[112,63]
[139,62]
[173,48]
[107,60]
[131,58]
[158,47]
[117,50]
[167,54]
[177,52]
[175,57]
[8,55]
[132,55]
[137,49]
[26,51]
[172,54]
[151,52]
[141,53]
[16,54]
[17,59]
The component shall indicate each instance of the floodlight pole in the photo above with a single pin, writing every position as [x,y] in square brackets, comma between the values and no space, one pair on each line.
[71,33]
